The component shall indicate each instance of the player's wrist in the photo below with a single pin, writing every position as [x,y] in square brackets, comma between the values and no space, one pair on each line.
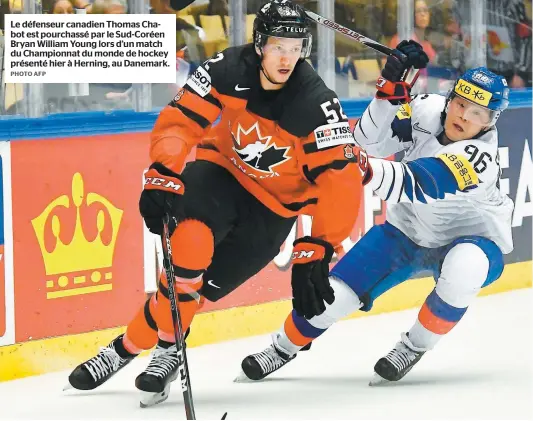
[309,248]
[395,92]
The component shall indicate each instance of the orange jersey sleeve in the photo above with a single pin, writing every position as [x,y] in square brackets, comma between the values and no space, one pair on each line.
[183,123]
[339,181]
[338,204]
[329,162]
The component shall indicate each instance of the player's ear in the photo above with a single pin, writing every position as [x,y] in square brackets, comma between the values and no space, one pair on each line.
[258,51]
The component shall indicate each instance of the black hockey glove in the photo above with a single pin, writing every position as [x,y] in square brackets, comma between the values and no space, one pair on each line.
[391,84]
[163,190]
[310,276]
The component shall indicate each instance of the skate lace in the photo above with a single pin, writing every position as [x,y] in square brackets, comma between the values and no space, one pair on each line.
[163,362]
[401,356]
[269,360]
[106,362]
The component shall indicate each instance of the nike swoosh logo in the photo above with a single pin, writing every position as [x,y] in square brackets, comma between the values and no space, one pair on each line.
[420,129]
[238,88]
[211,283]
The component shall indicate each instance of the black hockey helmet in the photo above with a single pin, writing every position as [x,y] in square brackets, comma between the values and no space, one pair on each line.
[283,19]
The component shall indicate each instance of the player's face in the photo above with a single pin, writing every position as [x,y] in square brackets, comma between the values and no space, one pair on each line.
[280,56]
[465,120]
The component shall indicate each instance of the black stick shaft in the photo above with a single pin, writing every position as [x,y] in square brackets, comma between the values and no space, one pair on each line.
[178,331]
[349,33]
[410,75]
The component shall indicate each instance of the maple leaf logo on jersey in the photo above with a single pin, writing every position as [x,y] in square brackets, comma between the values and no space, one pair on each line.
[261,155]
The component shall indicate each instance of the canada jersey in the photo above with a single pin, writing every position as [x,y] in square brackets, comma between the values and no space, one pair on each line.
[484,211]
[291,148]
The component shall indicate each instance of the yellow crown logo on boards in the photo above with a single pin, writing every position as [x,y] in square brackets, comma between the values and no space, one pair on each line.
[83,266]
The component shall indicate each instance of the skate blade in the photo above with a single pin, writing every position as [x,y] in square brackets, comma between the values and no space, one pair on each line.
[68,386]
[150,399]
[243,378]
[377,380]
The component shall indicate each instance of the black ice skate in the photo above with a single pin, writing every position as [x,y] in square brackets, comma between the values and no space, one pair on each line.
[258,366]
[398,362]
[96,371]
[154,382]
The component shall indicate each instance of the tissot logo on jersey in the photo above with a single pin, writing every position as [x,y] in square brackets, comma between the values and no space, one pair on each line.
[200,82]
[258,151]
[333,135]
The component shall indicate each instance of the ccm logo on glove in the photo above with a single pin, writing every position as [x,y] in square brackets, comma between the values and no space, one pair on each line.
[310,276]
[156,181]
[303,254]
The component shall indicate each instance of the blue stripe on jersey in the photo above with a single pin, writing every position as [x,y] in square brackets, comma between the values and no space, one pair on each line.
[442,309]
[433,177]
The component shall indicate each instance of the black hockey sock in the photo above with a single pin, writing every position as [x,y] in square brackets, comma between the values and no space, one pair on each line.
[164,344]
[121,351]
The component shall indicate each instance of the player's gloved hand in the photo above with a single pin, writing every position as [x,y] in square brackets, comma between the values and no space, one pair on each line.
[390,85]
[310,276]
[163,190]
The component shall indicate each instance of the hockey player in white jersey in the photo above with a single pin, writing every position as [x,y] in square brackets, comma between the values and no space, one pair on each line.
[445,214]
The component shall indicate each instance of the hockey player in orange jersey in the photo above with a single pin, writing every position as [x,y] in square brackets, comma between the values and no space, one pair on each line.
[282,147]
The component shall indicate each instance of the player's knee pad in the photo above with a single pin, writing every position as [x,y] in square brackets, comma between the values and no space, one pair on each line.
[193,246]
[346,302]
[464,271]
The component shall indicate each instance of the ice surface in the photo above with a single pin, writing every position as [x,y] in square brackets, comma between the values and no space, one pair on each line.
[481,370]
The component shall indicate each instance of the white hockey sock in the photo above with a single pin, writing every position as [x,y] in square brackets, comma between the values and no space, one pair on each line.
[285,343]
[346,302]
[423,338]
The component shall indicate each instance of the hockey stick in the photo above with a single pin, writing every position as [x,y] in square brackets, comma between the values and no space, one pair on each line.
[178,330]
[409,76]
[349,33]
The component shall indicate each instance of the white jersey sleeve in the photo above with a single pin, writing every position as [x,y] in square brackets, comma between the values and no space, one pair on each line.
[423,180]
[385,129]
[375,130]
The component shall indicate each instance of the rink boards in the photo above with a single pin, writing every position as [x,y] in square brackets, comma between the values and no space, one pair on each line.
[76,260]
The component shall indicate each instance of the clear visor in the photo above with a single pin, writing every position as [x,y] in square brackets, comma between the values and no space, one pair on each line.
[287,47]
[472,112]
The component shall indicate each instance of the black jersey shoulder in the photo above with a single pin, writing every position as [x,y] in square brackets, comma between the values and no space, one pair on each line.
[312,103]
[232,70]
